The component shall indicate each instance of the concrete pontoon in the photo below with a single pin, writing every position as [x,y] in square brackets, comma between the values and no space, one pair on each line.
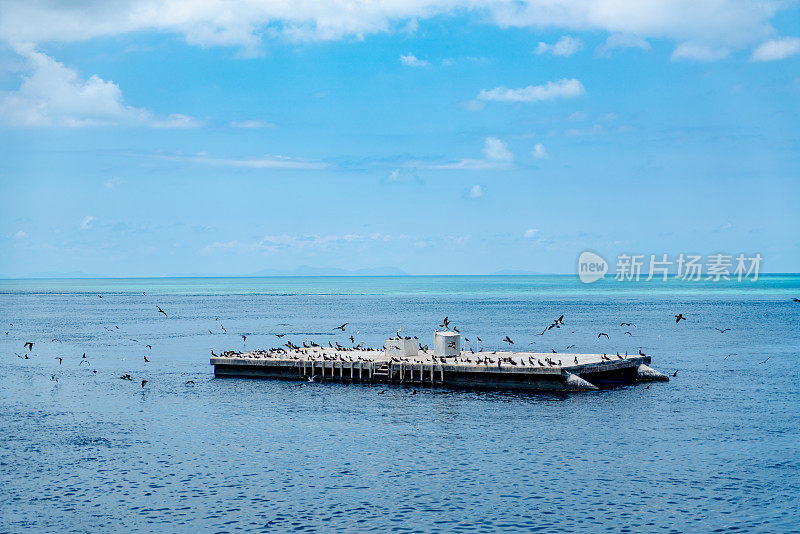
[526,371]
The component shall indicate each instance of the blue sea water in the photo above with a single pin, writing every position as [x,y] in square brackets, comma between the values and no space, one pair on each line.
[717,449]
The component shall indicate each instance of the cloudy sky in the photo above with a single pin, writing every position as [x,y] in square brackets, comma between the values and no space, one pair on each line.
[164,137]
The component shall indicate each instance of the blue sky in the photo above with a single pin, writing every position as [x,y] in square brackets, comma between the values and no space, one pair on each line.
[150,138]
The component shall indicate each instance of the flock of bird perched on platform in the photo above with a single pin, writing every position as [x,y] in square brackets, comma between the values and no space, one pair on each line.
[311,348]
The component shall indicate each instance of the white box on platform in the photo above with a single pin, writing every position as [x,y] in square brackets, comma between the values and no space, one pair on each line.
[446,344]
[402,347]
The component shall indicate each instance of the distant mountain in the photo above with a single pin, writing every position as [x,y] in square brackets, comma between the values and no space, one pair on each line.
[307,270]
[513,272]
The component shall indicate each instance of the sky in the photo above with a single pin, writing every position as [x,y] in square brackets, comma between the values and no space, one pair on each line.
[169,138]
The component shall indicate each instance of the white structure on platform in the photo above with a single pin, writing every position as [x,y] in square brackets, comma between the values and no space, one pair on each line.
[402,347]
[446,344]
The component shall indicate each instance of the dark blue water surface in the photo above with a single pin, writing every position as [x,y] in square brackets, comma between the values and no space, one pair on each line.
[715,449]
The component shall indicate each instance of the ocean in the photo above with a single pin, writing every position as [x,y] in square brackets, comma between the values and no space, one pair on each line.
[716,449]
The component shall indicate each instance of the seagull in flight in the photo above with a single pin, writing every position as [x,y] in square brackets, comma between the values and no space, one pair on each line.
[28,345]
[679,317]
[721,330]
[602,334]
[161,311]
[341,327]
[508,340]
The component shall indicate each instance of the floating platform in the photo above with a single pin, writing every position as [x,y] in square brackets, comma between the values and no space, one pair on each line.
[523,371]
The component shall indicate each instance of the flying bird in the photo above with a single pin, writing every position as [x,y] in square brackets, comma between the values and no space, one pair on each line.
[28,345]
[149,347]
[59,359]
[508,340]
[144,382]
[341,327]
[145,359]
[161,311]
[679,317]
[602,334]
[189,382]
[629,333]
[721,330]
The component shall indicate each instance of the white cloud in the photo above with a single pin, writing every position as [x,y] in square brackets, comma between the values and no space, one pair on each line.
[476,191]
[410,60]
[539,152]
[564,88]
[111,183]
[622,40]
[86,223]
[21,234]
[289,242]
[252,124]
[266,162]
[776,49]
[217,23]
[566,46]
[497,150]
[465,164]
[698,52]
[531,232]
[52,94]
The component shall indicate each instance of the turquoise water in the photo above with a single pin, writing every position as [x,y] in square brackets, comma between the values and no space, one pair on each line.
[717,449]
[770,284]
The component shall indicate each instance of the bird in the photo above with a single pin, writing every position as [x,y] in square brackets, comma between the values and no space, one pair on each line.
[602,334]
[54,378]
[161,311]
[212,353]
[189,382]
[101,296]
[145,359]
[341,327]
[795,300]
[728,356]
[627,324]
[479,339]
[244,338]
[352,340]
[679,317]
[721,330]
[765,361]
[59,359]
[134,340]
[144,382]
[554,351]
[149,347]
[675,373]
[576,360]
[381,392]
[629,333]
[28,345]
[445,323]
[126,377]
[508,340]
